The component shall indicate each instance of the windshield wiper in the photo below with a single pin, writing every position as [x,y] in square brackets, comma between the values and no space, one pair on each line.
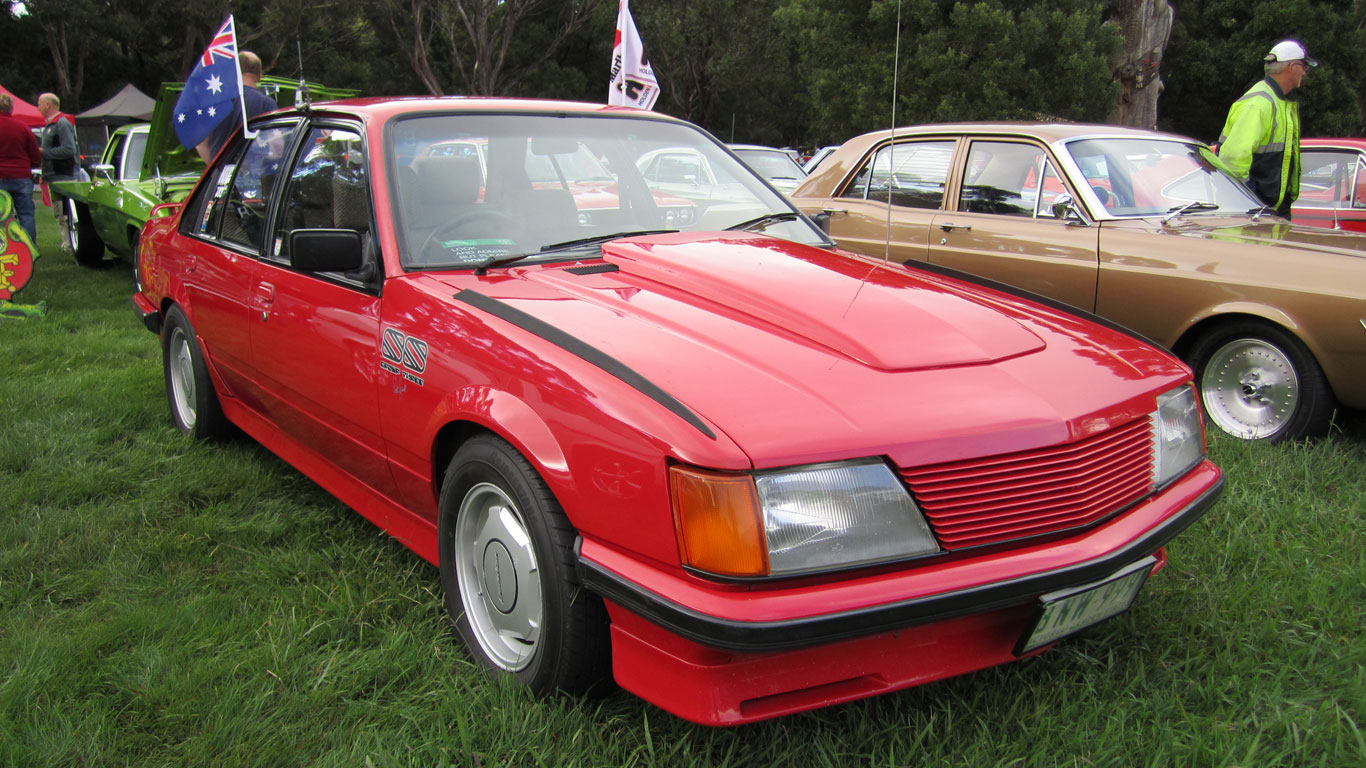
[1257,212]
[1194,205]
[566,245]
[768,218]
[483,267]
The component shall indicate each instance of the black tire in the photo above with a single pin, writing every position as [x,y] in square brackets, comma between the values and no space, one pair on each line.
[195,410]
[1258,382]
[515,599]
[81,237]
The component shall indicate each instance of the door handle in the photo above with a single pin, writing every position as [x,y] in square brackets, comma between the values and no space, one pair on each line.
[265,296]
[949,227]
[834,210]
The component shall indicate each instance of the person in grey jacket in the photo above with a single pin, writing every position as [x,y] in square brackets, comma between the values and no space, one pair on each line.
[58,145]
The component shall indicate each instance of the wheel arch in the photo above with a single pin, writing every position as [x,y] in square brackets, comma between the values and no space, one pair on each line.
[475,411]
[1226,314]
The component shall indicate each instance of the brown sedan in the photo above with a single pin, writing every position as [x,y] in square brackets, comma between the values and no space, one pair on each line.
[1142,228]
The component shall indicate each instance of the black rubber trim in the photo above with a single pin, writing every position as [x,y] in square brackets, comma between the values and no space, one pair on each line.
[150,320]
[593,269]
[816,630]
[585,351]
[1062,306]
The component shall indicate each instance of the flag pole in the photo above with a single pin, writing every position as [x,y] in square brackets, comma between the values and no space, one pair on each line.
[237,62]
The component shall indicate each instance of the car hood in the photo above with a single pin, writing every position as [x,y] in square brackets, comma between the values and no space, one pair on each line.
[761,337]
[1267,231]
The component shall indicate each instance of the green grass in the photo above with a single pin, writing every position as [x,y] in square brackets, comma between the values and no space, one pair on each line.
[171,603]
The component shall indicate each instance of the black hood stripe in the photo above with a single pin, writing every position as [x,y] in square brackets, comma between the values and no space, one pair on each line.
[586,351]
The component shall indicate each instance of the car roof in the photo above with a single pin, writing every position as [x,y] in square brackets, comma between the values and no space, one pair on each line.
[379,109]
[1047,131]
[1352,143]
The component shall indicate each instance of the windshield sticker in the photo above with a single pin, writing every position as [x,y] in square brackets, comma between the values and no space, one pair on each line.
[478,251]
[403,355]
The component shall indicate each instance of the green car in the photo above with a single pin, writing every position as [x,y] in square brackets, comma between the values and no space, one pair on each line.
[130,180]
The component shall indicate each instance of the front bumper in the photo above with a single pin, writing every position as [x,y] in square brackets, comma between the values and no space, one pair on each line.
[724,657]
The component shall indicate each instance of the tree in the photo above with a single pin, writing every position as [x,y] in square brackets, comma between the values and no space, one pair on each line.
[467,42]
[1146,26]
[1216,54]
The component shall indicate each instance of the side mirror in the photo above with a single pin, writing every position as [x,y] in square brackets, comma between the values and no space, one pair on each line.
[1065,209]
[822,220]
[103,170]
[326,250]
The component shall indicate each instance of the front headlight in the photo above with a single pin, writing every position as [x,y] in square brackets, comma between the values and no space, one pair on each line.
[795,521]
[1178,436]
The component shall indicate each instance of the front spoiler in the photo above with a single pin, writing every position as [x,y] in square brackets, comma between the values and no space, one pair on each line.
[815,630]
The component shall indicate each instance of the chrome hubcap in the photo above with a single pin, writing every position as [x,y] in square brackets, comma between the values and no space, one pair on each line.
[182,378]
[1250,388]
[500,586]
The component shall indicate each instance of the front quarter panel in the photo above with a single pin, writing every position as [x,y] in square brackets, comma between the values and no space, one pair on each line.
[601,446]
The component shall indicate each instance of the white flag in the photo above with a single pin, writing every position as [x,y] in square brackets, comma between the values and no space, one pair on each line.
[633,80]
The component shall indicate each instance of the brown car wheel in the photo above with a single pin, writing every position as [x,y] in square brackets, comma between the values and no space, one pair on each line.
[1259,382]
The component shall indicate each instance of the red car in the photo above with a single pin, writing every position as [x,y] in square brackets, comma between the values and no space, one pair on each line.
[739,471]
[1332,184]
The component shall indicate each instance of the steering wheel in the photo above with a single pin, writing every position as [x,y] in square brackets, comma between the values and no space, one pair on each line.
[1106,199]
[497,220]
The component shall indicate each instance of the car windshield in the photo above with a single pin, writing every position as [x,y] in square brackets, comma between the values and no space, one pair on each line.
[771,163]
[1148,177]
[477,190]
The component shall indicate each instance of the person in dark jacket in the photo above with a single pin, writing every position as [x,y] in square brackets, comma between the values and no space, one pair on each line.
[19,155]
[256,101]
[58,145]
[1260,142]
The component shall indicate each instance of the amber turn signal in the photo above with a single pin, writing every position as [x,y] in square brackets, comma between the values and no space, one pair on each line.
[718,522]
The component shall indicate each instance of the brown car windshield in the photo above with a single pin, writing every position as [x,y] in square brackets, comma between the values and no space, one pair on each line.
[1153,177]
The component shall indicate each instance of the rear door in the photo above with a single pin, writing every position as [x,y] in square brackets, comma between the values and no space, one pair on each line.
[888,206]
[1001,224]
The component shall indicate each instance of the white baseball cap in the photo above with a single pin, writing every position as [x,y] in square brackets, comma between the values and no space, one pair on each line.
[1290,50]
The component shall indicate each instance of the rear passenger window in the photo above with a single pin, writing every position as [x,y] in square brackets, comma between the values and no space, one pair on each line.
[252,187]
[908,175]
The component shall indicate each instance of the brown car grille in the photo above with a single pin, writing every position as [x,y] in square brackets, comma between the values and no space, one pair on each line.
[999,498]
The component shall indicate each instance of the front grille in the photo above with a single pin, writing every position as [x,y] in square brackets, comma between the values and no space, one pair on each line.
[999,498]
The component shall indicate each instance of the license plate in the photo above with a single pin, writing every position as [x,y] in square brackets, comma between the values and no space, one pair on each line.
[1073,609]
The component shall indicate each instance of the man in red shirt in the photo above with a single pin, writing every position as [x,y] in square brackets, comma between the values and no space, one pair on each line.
[18,157]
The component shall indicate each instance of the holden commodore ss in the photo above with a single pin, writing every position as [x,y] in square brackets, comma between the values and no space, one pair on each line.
[1143,228]
[727,466]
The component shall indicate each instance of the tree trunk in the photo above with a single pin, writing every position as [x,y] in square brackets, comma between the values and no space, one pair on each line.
[1146,26]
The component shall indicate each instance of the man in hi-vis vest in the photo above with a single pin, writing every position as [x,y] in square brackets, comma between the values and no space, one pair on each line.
[1261,138]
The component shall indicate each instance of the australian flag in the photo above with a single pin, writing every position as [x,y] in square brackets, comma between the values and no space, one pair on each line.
[209,92]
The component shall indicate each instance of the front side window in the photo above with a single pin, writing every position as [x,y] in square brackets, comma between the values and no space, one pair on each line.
[1327,179]
[327,186]
[909,174]
[1008,178]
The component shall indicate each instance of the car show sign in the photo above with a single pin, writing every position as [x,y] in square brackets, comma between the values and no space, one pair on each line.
[633,79]
[17,253]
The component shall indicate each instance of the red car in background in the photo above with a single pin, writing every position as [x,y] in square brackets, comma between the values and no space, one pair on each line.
[740,472]
[1332,184]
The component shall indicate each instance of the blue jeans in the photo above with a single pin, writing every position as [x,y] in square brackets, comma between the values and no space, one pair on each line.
[22,192]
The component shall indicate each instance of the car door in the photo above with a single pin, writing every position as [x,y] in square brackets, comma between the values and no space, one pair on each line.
[1002,226]
[107,187]
[315,336]
[223,257]
[889,205]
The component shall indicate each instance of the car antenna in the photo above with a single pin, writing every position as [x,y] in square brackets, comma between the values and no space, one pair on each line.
[302,98]
[891,146]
